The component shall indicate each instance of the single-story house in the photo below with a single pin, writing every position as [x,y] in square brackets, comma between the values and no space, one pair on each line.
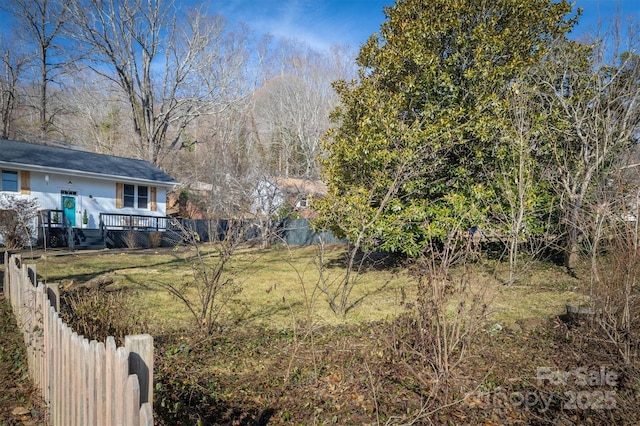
[81,190]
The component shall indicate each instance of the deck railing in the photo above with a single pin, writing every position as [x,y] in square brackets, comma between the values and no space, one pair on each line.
[49,219]
[133,222]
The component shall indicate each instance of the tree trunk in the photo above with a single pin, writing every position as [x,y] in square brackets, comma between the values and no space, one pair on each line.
[44,128]
[571,243]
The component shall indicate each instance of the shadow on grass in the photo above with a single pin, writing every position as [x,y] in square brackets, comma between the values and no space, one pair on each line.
[266,313]
[361,299]
[370,261]
[98,271]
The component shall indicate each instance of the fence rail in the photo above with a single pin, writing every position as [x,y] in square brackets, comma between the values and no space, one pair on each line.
[83,382]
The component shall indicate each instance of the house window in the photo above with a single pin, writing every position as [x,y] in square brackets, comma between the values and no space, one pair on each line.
[129,195]
[135,196]
[9,181]
[143,197]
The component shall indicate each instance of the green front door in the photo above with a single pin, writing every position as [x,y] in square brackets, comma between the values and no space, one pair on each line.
[69,207]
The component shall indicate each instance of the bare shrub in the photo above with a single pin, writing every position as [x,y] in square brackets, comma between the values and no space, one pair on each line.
[96,314]
[612,242]
[450,310]
[615,289]
[338,288]
[155,238]
[451,304]
[211,285]
[130,240]
[17,220]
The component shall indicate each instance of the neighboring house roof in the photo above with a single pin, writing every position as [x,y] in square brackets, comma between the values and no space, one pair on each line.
[301,186]
[75,162]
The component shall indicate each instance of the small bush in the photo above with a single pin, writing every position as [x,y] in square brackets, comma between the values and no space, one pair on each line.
[155,238]
[130,240]
[97,314]
[17,220]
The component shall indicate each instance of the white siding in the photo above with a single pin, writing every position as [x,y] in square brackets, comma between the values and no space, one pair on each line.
[94,195]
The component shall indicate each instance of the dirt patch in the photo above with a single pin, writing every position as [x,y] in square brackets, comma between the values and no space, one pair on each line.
[20,403]
[355,375]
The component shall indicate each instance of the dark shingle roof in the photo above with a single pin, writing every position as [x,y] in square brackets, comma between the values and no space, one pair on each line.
[55,157]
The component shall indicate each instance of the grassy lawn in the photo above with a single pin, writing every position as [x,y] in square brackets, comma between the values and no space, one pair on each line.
[278,286]
[283,357]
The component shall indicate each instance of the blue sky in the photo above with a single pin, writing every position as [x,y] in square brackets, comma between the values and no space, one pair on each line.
[322,23]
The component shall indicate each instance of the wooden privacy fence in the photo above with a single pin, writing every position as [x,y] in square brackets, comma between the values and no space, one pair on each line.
[83,382]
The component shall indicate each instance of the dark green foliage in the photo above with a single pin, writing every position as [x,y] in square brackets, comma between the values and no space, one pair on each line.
[415,137]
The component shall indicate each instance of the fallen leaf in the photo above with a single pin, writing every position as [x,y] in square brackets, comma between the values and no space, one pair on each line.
[20,411]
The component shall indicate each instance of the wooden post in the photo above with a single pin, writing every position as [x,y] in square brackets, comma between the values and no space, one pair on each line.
[74,370]
[91,382]
[57,379]
[54,362]
[53,291]
[5,275]
[140,347]
[47,237]
[146,415]
[67,378]
[121,374]
[85,366]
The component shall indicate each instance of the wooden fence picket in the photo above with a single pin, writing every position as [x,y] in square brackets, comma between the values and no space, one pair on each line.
[83,382]
[132,401]
[91,382]
[101,383]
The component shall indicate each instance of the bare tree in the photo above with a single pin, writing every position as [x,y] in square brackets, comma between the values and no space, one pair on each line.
[226,160]
[520,195]
[291,110]
[41,24]
[162,66]
[592,113]
[14,62]
[97,115]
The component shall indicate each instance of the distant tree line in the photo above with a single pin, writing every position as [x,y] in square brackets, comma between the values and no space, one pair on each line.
[209,103]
